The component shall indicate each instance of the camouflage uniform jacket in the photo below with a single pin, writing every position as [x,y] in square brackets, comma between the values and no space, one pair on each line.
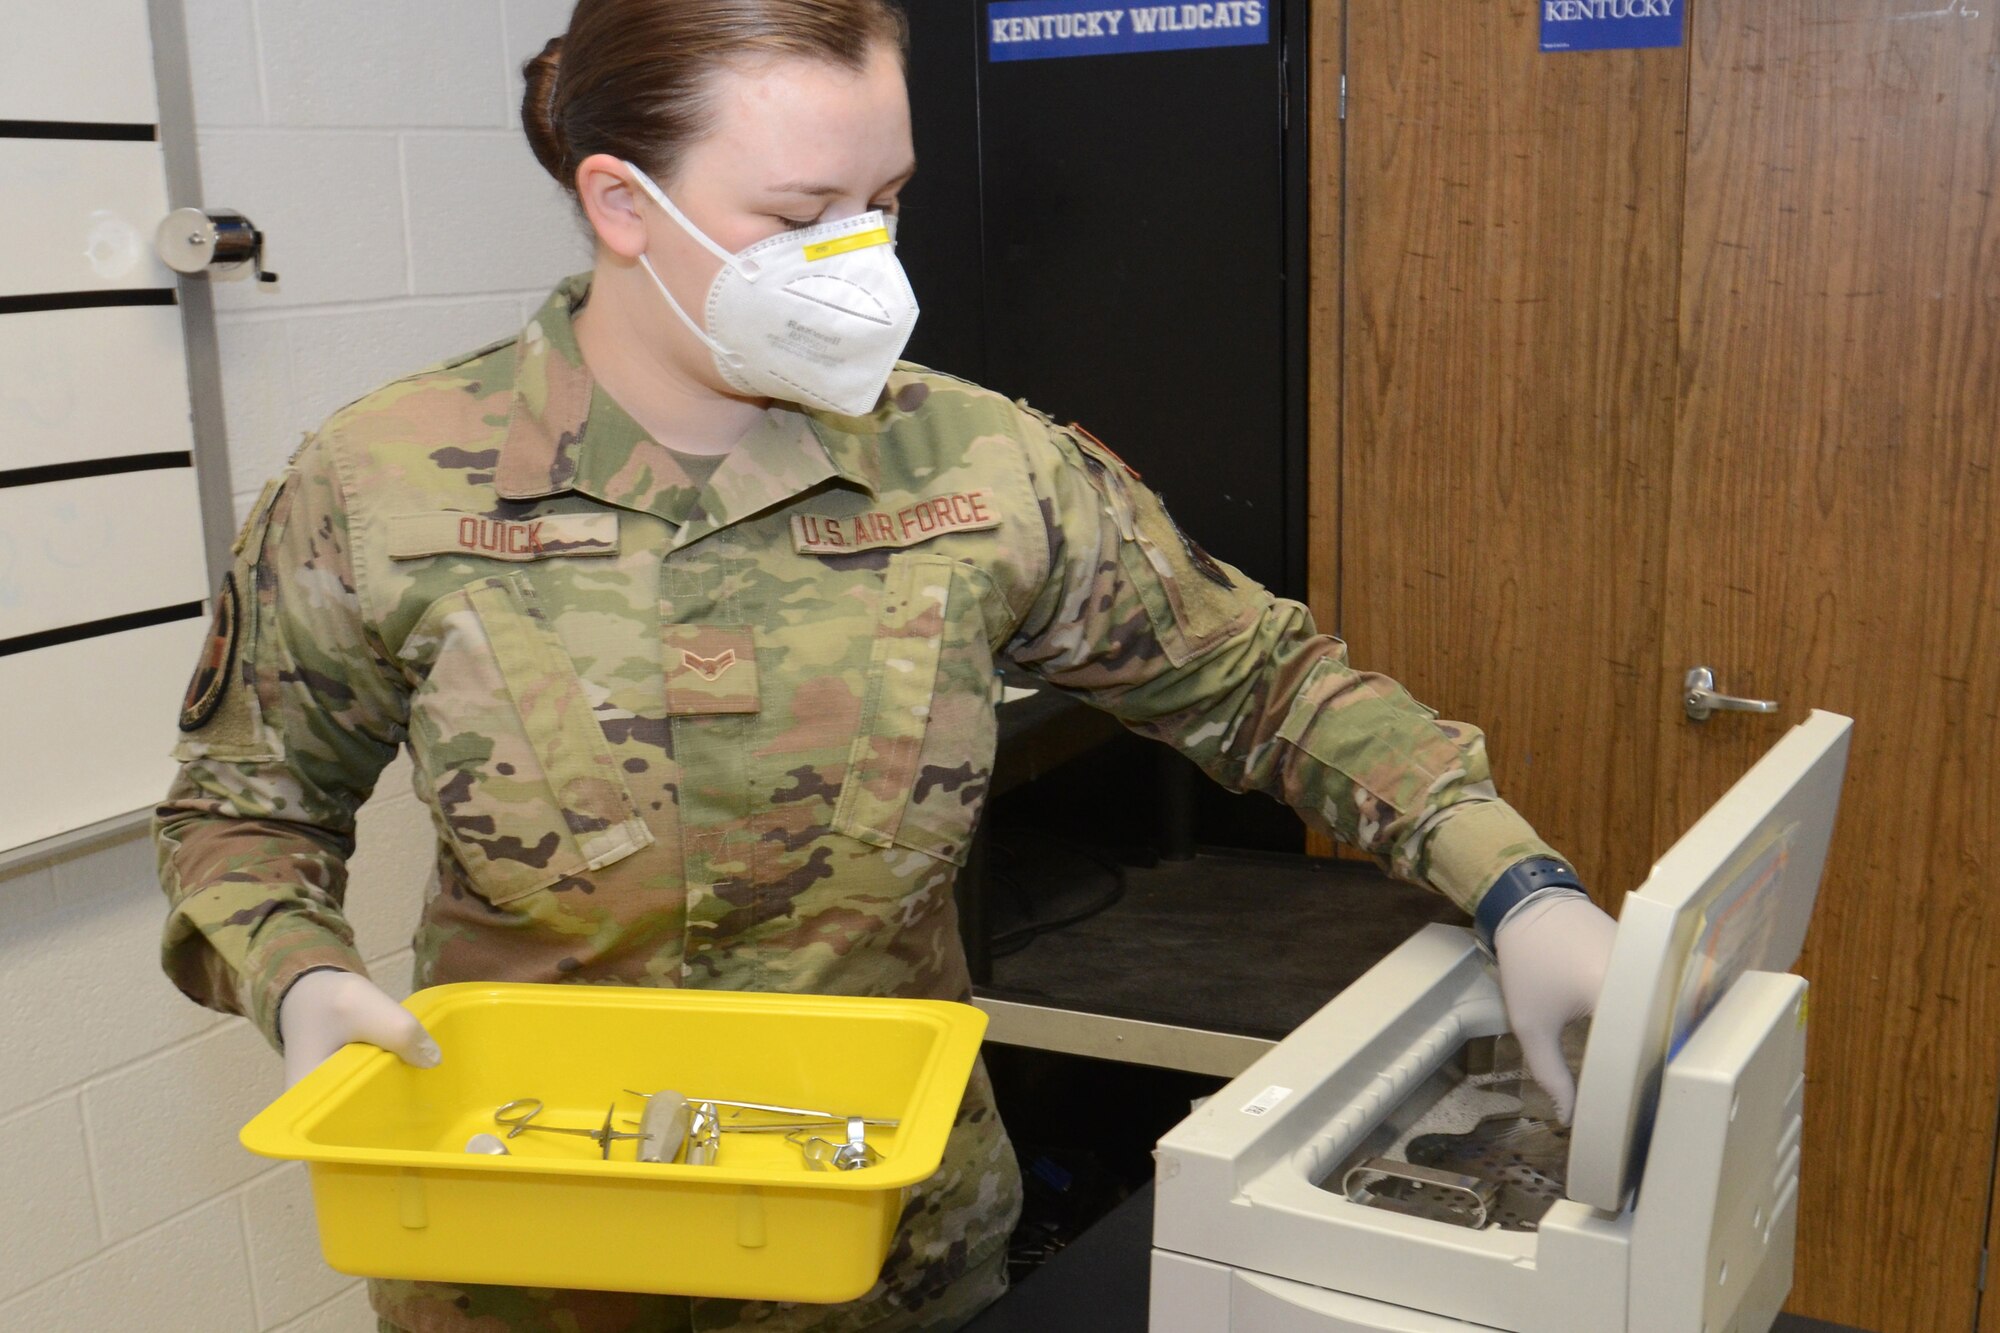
[735,735]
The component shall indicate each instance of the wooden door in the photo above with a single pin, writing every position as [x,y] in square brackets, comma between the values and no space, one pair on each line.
[1835,543]
[1666,358]
[1509,398]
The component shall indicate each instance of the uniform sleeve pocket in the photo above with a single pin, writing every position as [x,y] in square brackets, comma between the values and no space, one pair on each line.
[921,763]
[1368,729]
[1192,600]
[523,782]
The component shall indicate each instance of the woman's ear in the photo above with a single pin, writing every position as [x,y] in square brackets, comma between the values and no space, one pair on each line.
[611,202]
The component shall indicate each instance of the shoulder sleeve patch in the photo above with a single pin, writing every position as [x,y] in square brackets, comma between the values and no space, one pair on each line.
[222,714]
[210,682]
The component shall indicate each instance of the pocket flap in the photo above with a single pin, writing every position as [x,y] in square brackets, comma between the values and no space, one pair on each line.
[526,785]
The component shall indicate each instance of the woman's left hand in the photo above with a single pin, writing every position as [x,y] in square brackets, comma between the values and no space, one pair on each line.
[1553,957]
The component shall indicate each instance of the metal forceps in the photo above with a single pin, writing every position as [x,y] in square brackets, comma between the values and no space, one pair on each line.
[815,1117]
[517,1115]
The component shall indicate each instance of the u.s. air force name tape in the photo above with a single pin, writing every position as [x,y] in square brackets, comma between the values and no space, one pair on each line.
[847,534]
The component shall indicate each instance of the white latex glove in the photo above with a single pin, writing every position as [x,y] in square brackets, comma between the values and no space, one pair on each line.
[1553,954]
[324,1011]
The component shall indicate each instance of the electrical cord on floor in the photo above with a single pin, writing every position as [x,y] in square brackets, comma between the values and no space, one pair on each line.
[1019,938]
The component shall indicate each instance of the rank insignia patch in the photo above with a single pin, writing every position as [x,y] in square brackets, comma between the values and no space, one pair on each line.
[218,661]
[709,668]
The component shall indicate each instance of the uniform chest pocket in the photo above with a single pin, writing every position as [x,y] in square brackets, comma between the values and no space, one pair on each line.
[920,765]
[518,771]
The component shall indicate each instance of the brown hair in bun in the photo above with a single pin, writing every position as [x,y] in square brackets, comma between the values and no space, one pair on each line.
[630,77]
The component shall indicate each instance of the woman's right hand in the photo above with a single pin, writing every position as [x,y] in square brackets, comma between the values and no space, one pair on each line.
[325,1010]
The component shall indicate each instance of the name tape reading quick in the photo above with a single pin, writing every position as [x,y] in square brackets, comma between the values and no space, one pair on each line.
[840,245]
[960,511]
[414,536]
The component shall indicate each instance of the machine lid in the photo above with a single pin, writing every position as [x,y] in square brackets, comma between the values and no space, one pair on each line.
[1733,895]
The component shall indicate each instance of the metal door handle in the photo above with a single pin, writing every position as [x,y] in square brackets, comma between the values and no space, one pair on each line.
[1700,699]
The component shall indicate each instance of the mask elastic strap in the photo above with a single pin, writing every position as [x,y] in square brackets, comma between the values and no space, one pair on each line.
[722,353]
[659,197]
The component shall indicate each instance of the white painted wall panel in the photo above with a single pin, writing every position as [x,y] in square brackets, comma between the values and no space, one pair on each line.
[346,1313]
[73,1016]
[189,1276]
[77,551]
[291,1278]
[330,206]
[83,384]
[195,1100]
[76,60]
[38,1154]
[455,176]
[80,215]
[380,62]
[89,727]
[278,141]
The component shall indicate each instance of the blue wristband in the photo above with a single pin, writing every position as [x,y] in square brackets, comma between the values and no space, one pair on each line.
[1518,883]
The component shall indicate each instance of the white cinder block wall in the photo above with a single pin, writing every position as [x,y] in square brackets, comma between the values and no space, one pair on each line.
[377,144]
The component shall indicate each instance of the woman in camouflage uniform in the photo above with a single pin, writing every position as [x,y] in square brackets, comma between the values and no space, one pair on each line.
[698,680]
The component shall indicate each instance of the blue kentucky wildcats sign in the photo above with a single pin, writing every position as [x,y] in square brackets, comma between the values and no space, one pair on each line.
[1041,29]
[1610,25]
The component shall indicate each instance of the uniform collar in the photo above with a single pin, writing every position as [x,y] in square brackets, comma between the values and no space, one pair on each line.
[564,433]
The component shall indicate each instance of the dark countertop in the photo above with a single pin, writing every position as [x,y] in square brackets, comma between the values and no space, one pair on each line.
[1099,1284]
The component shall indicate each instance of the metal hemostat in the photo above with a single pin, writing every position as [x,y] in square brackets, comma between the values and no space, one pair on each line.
[1527,1161]
[1421,1191]
[517,1115]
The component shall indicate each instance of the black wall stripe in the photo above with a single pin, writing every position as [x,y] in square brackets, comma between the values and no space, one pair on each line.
[92,467]
[31,304]
[49,638]
[76,129]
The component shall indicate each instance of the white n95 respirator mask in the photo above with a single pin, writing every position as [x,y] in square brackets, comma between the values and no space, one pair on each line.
[816,316]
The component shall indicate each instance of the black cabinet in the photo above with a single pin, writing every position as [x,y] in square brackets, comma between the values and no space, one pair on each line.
[1120,239]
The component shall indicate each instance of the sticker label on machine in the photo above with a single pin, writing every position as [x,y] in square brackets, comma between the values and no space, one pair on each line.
[1266,1101]
[1610,25]
[1047,29]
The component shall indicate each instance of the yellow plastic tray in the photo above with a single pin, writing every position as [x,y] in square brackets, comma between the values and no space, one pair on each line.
[398,1196]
